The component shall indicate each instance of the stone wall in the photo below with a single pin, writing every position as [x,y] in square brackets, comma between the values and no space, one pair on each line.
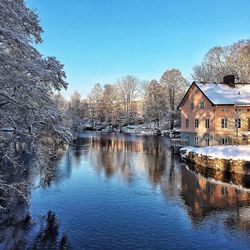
[231,166]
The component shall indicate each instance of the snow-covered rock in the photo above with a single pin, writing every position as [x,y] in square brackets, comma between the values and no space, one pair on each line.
[233,152]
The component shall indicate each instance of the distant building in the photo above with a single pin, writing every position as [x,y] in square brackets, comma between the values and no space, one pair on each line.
[216,113]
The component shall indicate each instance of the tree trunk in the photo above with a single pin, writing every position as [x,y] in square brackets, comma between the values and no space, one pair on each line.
[172,121]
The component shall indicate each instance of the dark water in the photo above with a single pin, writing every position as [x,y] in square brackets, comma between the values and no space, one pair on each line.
[117,192]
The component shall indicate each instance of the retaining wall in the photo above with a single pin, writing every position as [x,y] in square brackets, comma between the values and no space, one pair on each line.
[225,165]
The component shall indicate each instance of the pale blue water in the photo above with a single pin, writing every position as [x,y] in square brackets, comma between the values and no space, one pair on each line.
[126,192]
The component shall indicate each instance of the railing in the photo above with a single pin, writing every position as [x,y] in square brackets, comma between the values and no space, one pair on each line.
[179,143]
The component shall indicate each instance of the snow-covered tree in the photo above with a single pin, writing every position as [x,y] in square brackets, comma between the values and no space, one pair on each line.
[27,81]
[175,87]
[110,107]
[127,89]
[222,61]
[154,103]
[60,102]
[95,101]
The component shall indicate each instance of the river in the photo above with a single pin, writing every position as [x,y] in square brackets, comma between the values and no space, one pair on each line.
[130,192]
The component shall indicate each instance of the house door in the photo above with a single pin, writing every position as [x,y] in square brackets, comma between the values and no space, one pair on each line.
[248,122]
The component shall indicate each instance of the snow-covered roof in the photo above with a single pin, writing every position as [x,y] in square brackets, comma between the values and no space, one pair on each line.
[219,93]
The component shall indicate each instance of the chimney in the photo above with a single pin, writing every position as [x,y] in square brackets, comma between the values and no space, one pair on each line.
[230,80]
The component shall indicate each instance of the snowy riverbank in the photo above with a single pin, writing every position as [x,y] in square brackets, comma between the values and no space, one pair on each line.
[227,152]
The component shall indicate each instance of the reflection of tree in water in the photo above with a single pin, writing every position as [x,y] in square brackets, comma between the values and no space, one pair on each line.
[48,237]
[14,196]
[117,155]
[129,156]
[114,156]
[155,160]
[16,184]
[152,156]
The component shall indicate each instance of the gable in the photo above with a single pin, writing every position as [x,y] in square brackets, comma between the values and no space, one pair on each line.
[191,91]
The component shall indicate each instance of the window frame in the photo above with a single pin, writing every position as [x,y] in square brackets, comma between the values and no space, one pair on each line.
[202,105]
[238,123]
[196,123]
[225,141]
[207,123]
[224,122]
[196,140]
[191,106]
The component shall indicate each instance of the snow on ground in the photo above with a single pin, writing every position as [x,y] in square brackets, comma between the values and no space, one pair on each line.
[241,152]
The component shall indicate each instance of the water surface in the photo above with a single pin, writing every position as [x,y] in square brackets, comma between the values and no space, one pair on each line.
[128,192]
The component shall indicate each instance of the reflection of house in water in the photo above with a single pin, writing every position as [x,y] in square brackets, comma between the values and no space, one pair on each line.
[152,159]
[203,196]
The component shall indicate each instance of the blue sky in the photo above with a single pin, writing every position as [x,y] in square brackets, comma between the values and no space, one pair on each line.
[102,40]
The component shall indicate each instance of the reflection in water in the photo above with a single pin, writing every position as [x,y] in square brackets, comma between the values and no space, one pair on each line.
[16,224]
[227,177]
[125,156]
[117,191]
[203,196]
[48,236]
[129,157]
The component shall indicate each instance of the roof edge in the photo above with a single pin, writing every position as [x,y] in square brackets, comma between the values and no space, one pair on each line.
[183,99]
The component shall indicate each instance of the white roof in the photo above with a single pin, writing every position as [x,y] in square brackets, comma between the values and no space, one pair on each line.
[219,93]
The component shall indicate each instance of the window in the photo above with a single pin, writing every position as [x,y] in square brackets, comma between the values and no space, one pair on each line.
[187,123]
[202,105]
[224,122]
[208,188]
[207,123]
[207,141]
[224,141]
[248,110]
[191,106]
[238,123]
[224,190]
[196,141]
[196,123]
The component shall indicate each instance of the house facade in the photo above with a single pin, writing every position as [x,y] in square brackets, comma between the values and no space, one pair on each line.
[216,113]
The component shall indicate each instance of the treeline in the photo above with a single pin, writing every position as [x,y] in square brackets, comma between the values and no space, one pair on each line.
[128,101]
[222,61]
[131,101]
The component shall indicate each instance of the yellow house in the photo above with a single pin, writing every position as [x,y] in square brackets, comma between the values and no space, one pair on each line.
[216,113]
